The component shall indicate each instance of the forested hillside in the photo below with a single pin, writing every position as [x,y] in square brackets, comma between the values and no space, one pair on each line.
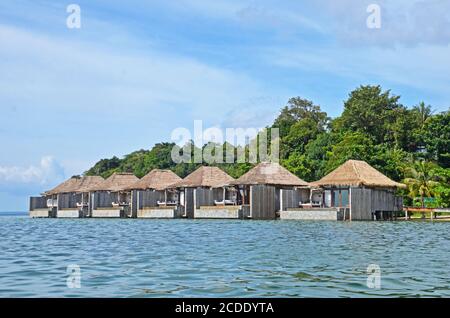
[408,144]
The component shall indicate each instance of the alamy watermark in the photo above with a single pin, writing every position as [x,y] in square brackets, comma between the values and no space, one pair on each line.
[73,21]
[374,19]
[73,276]
[373,276]
[229,145]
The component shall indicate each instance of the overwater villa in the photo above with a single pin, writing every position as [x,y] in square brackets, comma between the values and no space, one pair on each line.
[69,199]
[207,193]
[269,188]
[354,191]
[46,205]
[85,188]
[111,198]
[152,196]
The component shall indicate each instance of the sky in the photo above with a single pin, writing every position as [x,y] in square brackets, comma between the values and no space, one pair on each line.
[136,70]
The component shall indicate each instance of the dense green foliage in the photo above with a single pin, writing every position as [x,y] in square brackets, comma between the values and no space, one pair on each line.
[410,145]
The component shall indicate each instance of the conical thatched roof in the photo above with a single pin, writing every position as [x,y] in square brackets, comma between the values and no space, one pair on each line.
[357,173]
[156,179]
[271,174]
[70,185]
[117,182]
[89,183]
[210,177]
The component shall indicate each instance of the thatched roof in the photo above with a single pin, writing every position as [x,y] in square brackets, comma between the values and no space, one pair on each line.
[156,179]
[357,173]
[271,174]
[117,182]
[77,185]
[70,185]
[211,177]
[89,183]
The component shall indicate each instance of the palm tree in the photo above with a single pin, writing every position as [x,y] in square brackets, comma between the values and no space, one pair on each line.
[423,112]
[421,181]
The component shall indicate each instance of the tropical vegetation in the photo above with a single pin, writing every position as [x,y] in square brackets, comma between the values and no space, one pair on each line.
[408,144]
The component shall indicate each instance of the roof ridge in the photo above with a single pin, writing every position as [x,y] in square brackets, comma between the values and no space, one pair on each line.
[355,168]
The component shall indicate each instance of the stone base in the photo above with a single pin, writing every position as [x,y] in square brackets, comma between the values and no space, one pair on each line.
[41,213]
[68,214]
[106,213]
[215,212]
[312,214]
[157,213]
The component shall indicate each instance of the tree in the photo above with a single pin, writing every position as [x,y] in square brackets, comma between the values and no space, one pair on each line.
[317,152]
[299,165]
[296,109]
[422,113]
[421,180]
[437,138]
[353,145]
[300,134]
[104,167]
[371,111]
[299,122]
[442,191]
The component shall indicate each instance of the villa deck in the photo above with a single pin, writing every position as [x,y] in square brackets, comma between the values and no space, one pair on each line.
[218,212]
[329,214]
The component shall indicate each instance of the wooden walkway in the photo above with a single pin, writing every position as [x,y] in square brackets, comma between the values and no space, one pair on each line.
[432,211]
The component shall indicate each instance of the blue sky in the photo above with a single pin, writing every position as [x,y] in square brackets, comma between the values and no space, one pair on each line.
[136,70]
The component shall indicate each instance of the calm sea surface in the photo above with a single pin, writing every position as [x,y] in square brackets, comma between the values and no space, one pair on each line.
[177,258]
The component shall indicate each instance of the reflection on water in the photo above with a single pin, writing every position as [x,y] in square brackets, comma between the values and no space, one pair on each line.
[163,258]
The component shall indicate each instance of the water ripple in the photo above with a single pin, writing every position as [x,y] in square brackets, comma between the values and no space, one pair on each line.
[186,258]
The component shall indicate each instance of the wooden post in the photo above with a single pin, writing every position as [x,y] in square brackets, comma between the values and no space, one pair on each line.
[350,203]
[406,215]
[138,205]
[89,204]
[82,205]
[281,199]
[250,201]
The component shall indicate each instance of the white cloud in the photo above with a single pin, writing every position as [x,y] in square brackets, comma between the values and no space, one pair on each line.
[256,112]
[15,179]
[404,22]
[424,68]
[59,74]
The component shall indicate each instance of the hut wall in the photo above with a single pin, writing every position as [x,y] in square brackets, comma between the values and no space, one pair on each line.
[366,201]
[189,203]
[68,200]
[134,204]
[277,199]
[291,198]
[384,200]
[104,199]
[150,198]
[205,196]
[398,203]
[38,203]
[262,202]
[361,204]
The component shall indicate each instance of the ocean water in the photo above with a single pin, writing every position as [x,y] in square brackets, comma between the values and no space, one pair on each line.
[222,258]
